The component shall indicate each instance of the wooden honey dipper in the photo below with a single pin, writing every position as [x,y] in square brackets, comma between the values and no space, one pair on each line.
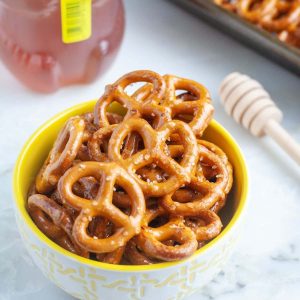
[250,105]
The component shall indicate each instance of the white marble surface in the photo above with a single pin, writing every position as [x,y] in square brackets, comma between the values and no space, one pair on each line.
[162,37]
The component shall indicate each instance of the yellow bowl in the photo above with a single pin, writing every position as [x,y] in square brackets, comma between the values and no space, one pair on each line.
[88,279]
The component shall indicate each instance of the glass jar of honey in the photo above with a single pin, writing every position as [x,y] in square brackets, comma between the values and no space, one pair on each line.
[48,44]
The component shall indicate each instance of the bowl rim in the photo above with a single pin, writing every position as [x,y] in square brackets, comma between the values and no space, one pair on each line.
[18,199]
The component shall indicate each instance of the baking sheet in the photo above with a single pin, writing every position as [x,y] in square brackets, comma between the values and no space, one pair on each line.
[258,39]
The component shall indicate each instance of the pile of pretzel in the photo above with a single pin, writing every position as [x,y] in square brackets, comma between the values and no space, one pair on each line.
[136,188]
[280,17]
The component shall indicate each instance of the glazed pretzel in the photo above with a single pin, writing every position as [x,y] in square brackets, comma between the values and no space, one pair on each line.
[135,256]
[151,239]
[148,107]
[90,128]
[101,228]
[217,151]
[199,107]
[291,37]
[285,16]
[254,11]
[227,4]
[100,139]
[204,191]
[193,106]
[155,152]
[62,155]
[55,221]
[107,174]
[205,224]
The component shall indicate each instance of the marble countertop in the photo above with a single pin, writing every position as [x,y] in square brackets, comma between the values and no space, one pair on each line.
[266,261]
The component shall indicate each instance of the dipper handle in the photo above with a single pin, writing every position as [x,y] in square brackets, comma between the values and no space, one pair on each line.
[251,105]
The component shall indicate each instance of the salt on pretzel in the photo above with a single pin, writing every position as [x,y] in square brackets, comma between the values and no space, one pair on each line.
[107,174]
[151,240]
[55,221]
[202,192]
[155,152]
[62,155]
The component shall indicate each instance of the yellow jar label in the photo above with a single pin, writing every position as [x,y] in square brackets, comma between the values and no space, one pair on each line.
[76,20]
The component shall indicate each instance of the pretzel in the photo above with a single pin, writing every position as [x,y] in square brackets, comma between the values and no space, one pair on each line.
[202,193]
[151,239]
[199,106]
[55,221]
[227,4]
[107,174]
[116,93]
[154,152]
[62,155]
[193,106]
[216,150]
[205,224]
[254,11]
[286,16]
[135,256]
[281,17]
[102,228]
[100,139]
[291,37]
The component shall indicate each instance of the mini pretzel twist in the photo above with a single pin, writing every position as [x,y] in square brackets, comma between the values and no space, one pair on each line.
[208,187]
[135,256]
[62,155]
[281,17]
[291,37]
[227,4]
[285,16]
[103,228]
[155,152]
[107,174]
[55,221]
[198,106]
[205,224]
[254,10]
[100,139]
[194,106]
[147,107]
[151,239]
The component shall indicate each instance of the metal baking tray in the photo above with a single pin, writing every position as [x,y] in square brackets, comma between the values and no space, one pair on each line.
[258,39]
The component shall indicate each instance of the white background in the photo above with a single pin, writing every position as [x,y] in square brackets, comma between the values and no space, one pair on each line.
[162,37]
